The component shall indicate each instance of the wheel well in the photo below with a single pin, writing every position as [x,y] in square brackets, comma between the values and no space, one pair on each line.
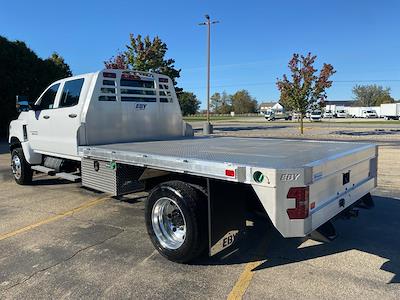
[14,143]
[152,182]
[253,203]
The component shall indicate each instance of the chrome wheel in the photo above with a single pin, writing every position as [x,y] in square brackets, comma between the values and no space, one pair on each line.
[16,166]
[168,223]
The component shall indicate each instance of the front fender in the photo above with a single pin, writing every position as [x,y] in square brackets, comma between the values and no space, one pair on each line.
[18,130]
[18,135]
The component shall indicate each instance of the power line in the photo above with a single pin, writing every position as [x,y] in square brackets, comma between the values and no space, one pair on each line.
[273,82]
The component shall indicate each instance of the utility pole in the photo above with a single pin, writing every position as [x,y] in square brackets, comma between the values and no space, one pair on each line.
[208,127]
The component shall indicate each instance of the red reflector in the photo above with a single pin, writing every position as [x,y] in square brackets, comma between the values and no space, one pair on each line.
[230,173]
[109,75]
[301,195]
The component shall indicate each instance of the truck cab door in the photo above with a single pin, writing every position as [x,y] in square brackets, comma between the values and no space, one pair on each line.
[56,119]
[68,116]
[41,120]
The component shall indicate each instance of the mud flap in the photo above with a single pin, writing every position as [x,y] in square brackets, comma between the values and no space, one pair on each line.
[226,215]
[324,233]
[366,202]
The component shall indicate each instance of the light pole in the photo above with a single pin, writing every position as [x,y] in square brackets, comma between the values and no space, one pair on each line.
[208,127]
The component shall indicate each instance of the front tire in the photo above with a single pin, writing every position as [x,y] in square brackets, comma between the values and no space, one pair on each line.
[20,167]
[176,220]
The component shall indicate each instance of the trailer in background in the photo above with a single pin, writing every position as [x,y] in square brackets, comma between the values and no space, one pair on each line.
[363,112]
[390,111]
[355,112]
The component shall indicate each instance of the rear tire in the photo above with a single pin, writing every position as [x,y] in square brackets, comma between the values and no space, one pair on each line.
[20,167]
[176,220]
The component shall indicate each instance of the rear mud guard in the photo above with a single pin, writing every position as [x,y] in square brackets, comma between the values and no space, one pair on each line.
[226,215]
[366,202]
[324,233]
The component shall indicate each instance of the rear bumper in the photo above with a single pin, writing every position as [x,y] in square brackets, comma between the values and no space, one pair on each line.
[331,208]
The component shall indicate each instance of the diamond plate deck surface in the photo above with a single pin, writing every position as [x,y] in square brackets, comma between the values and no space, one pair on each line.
[260,152]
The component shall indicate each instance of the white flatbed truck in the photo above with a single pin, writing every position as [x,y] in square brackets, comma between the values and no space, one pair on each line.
[122,131]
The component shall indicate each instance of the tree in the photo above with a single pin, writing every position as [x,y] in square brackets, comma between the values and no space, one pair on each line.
[117,62]
[188,102]
[305,89]
[226,104]
[60,65]
[221,104]
[243,103]
[145,54]
[22,72]
[372,95]
[215,102]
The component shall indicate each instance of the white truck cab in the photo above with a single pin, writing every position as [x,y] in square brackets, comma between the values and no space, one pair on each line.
[98,108]
[120,131]
[315,116]
[369,114]
[341,113]
[328,114]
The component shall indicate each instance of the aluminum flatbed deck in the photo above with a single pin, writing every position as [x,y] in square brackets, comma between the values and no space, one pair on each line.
[211,155]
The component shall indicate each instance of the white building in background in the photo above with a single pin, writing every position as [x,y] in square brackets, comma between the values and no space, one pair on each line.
[266,107]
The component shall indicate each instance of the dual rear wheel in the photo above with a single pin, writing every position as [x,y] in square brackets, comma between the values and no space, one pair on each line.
[176,220]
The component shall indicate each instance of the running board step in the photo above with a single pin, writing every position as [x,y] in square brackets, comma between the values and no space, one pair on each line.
[44,169]
[69,176]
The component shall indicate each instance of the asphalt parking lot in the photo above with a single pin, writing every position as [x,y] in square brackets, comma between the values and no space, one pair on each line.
[60,240]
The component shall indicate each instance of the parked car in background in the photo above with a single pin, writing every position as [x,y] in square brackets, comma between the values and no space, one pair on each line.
[341,113]
[277,115]
[369,114]
[328,114]
[315,116]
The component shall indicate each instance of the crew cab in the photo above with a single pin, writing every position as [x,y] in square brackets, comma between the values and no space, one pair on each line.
[120,131]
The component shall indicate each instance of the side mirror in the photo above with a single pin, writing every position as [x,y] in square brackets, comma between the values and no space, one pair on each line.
[22,103]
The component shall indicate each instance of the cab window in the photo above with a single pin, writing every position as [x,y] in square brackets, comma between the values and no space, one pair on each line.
[48,98]
[71,92]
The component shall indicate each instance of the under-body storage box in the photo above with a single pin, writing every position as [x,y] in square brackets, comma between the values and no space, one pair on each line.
[110,177]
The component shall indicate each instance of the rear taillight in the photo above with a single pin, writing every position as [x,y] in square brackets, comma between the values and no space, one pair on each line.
[230,173]
[301,195]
